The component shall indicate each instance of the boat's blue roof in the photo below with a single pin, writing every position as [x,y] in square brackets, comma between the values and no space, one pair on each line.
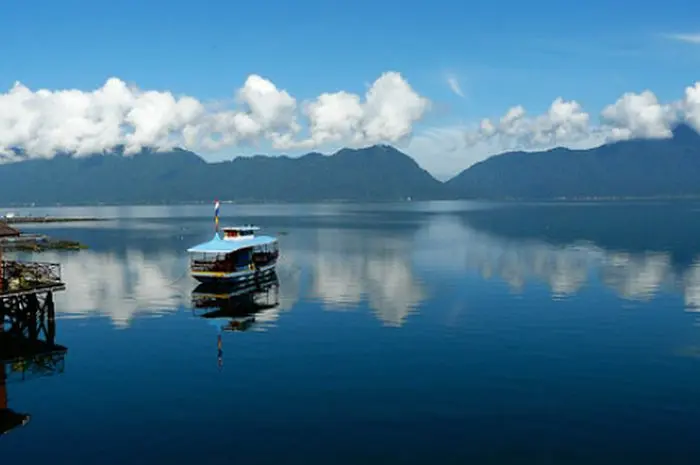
[219,245]
[249,227]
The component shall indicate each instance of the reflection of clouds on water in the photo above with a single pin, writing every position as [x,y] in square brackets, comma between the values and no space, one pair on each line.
[636,277]
[345,266]
[455,247]
[289,277]
[691,284]
[642,276]
[565,269]
[123,287]
[338,280]
[393,291]
[351,266]
[289,282]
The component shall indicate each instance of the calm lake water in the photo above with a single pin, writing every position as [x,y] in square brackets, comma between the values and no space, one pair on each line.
[421,333]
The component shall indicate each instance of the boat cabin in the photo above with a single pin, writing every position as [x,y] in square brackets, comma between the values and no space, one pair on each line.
[240,251]
[239,232]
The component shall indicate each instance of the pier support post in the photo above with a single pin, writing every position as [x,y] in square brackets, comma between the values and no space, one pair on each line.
[3,375]
[30,316]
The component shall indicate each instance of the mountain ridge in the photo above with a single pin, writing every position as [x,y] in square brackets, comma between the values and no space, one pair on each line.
[625,169]
[374,173]
[638,168]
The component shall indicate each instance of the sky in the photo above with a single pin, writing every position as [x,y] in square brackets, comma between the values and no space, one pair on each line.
[448,82]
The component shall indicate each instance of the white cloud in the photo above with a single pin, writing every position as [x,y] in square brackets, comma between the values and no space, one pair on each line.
[44,122]
[689,38]
[633,115]
[390,109]
[446,151]
[639,116]
[454,85]
[690,106]
[564,121]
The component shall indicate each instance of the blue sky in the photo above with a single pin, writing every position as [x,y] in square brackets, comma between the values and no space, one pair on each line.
[502,53]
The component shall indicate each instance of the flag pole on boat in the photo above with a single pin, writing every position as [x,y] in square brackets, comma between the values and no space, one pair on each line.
[216,216]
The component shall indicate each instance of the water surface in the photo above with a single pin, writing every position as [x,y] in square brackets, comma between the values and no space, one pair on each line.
[450,332]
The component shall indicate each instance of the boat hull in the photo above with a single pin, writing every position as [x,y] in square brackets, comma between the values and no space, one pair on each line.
[236,277]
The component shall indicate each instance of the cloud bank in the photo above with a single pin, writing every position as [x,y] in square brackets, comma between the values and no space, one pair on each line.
[45,122]
[632,116]
[564,124]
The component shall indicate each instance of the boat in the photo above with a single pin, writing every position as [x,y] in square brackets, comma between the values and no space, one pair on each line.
[238,256]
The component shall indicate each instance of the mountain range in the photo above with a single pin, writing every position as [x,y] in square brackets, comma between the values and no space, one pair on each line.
[633,168]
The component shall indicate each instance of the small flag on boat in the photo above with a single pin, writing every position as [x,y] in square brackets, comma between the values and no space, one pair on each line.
[216,214]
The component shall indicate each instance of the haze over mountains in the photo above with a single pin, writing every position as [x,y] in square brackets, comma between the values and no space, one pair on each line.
[633,168]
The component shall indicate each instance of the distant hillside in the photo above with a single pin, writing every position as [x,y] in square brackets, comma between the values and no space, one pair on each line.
[375,173]
[635,168]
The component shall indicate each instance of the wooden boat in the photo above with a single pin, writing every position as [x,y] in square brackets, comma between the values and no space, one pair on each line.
[239,255]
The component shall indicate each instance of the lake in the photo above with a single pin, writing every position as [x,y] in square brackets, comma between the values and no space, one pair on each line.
[411,333]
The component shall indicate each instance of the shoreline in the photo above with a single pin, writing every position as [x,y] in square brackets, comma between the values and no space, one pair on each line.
[49,219]
[39,243]
[339,201]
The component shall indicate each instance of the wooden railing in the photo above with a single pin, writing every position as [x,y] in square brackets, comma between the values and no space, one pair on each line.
[198,265]
[18,275]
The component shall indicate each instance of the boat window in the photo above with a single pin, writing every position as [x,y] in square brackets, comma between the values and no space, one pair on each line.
[237,232]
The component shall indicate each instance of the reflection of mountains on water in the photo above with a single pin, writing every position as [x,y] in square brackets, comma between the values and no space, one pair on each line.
[633,227]
[240,305]
[636,249]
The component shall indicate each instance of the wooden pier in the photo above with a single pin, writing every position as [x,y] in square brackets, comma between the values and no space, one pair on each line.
[21,279]
[27,329]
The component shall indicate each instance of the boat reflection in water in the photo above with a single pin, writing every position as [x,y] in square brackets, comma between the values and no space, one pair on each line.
[233,307]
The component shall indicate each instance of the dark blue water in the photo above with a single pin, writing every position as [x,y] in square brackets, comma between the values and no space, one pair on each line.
[412,333]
